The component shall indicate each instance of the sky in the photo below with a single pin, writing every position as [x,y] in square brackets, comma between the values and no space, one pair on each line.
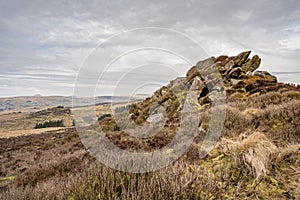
[44,45]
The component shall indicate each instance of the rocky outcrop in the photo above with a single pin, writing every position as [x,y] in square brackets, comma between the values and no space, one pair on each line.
[238,66]
[262,118]
[208,79]
[238,74]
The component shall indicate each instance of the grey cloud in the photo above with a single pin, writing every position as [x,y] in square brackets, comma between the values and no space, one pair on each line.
[55,37]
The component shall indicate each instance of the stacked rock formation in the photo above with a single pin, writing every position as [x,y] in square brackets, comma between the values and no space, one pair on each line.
[236,67]
[238,75]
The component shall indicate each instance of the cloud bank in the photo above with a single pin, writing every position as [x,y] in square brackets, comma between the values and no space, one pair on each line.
[43,44]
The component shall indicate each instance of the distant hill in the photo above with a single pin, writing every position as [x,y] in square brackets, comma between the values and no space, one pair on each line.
[38,102]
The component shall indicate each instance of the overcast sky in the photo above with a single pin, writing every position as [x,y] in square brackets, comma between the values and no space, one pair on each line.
[43,44]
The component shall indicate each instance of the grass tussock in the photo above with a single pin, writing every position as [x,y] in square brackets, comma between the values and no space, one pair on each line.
[99,182]
[255,150]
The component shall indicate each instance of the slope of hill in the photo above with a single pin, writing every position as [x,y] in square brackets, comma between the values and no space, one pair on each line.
[260,142]
[256,157]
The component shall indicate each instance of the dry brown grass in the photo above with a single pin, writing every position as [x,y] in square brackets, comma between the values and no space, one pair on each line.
[261,101]
[100,182]
[18,133]
[27,121]
[256,152]
[282,122]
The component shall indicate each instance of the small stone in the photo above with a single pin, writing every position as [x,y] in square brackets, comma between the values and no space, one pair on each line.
[237,83]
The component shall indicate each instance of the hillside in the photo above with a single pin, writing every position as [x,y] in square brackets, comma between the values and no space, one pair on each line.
[259,145]
[256,156]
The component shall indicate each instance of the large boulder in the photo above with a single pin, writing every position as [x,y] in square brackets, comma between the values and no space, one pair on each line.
[241,58]
[252,64]
[265,75]
[203,64]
